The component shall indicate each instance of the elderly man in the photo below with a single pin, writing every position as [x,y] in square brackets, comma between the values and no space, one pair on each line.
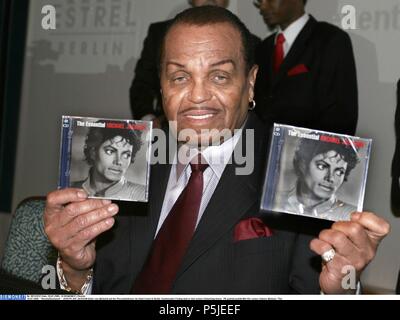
[202,231]
[307,75]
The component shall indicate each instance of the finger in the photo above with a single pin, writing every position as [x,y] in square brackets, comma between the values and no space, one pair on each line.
[339,242]
[78,208]
[333,271]
[377,228]
[93,217]
[59,198]
[343,248]
[337,263]
[355,232]
[87,235]
[320,246]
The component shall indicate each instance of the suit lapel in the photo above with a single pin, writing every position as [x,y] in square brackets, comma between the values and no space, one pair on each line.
[159,186]
[298,47]
[227,205]
[143,228]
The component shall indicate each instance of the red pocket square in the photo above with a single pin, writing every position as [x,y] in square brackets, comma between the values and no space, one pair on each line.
[299,69]
[250,229]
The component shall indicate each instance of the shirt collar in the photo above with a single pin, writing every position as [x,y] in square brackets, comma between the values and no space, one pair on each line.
[316,210]
[111,190]
[293,30]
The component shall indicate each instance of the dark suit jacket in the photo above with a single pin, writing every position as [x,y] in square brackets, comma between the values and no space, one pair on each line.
[214,263]
[145,97]
[396,158]
[396,170]
[395,191]
[326,96]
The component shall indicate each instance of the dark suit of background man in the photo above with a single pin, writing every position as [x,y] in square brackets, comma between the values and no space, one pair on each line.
[144,94]
[204,234]
[395,194]
[316,85]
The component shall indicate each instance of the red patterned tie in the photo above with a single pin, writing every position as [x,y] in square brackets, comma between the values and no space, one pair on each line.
[279,54]
[172,241]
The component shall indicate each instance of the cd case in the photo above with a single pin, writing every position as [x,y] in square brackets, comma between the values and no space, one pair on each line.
[315,173]
[109,159]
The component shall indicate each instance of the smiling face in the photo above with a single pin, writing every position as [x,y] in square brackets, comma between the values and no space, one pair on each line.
[113,159]
[280,12]
[204,81]
[325,174]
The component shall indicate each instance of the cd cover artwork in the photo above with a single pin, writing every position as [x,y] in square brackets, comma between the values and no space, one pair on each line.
[109,159]
[315,173]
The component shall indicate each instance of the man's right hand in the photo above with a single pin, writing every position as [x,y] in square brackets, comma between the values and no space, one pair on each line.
[72,223]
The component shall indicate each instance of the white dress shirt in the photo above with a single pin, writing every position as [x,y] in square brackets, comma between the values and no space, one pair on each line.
[292,31]
[217,158]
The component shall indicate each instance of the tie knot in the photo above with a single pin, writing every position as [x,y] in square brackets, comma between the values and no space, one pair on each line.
[197,165]
[280,39]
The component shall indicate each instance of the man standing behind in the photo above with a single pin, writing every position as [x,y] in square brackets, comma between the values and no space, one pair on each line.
[307,74]
[395,193]
[144,94]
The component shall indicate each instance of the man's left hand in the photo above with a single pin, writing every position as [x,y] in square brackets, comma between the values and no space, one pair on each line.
[355,243]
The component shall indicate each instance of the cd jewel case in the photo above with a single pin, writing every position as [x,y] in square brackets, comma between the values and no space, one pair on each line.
[315,173]
[107,158]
